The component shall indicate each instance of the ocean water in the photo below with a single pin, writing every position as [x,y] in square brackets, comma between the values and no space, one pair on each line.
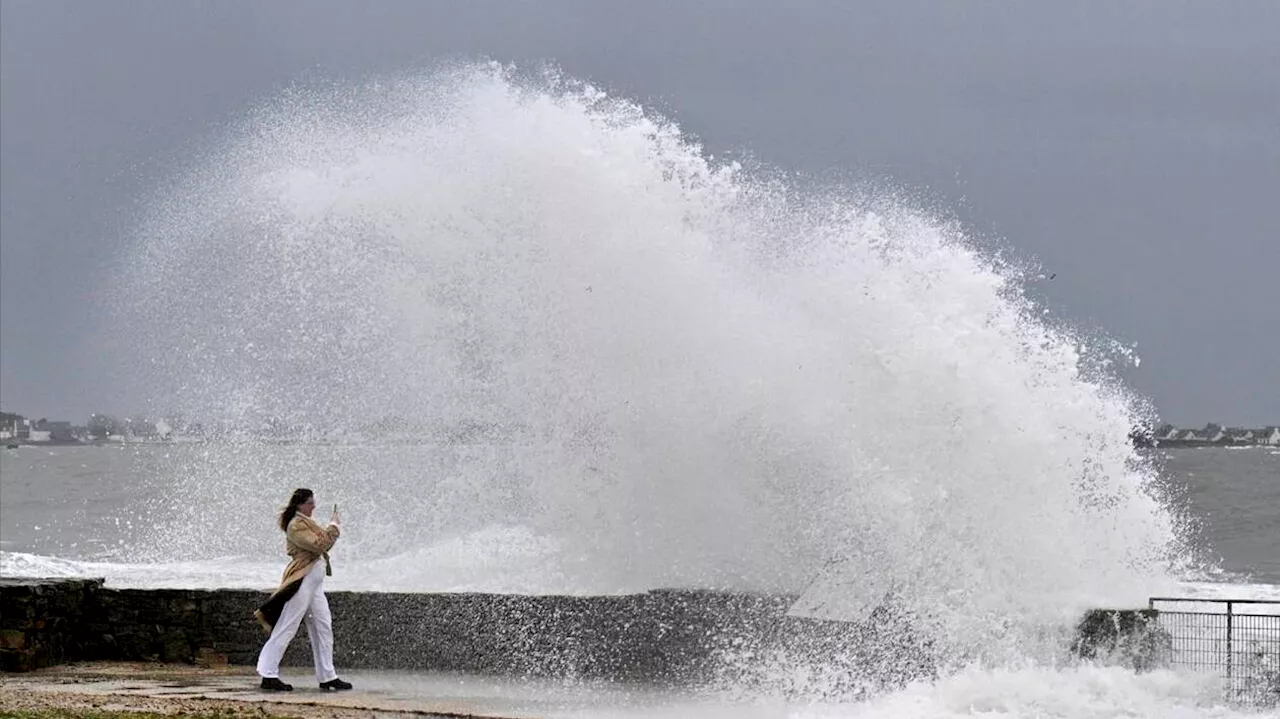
[123,511]
[1237,493]
[692,373]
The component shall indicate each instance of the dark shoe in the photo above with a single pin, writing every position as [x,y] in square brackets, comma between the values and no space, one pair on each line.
[272,684]
[337,685]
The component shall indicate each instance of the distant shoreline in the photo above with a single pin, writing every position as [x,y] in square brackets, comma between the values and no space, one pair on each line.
[15,444]
[1196,444]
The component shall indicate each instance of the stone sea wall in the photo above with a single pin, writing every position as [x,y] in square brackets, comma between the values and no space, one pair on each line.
[660,636]
[41,621]
[673,637]
[50,621]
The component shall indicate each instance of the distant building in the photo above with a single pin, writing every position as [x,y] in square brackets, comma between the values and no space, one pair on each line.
[41,431]
[57,431]
[1239,435]
[1215,434]
[20,429]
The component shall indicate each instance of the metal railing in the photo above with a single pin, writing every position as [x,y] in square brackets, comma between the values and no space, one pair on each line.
[1237,640]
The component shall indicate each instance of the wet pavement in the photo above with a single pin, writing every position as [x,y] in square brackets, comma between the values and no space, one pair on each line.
[376,694]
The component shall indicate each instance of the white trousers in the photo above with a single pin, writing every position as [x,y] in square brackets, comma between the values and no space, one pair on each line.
[311,604]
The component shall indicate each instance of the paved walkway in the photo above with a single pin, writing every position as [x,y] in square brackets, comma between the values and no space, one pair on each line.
[174,688]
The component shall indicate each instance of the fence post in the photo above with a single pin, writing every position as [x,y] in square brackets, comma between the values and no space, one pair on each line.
[1230,651]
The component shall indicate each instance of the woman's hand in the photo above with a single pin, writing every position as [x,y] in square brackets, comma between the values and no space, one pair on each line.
[335,518]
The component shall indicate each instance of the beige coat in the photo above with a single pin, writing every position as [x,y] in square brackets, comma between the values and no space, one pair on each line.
[306,542]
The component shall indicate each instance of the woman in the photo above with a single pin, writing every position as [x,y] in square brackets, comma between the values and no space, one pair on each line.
[301,594]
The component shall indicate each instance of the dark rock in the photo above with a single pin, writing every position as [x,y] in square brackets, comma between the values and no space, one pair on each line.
[1129,637]
[207,657]
[175,648]
[13,639]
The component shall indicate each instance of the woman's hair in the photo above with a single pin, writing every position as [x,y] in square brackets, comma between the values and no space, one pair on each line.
[300,496]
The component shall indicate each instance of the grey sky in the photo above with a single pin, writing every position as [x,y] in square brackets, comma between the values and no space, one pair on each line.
[1133,148]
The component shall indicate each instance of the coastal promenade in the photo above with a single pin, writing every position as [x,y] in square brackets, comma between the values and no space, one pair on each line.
[231,693]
